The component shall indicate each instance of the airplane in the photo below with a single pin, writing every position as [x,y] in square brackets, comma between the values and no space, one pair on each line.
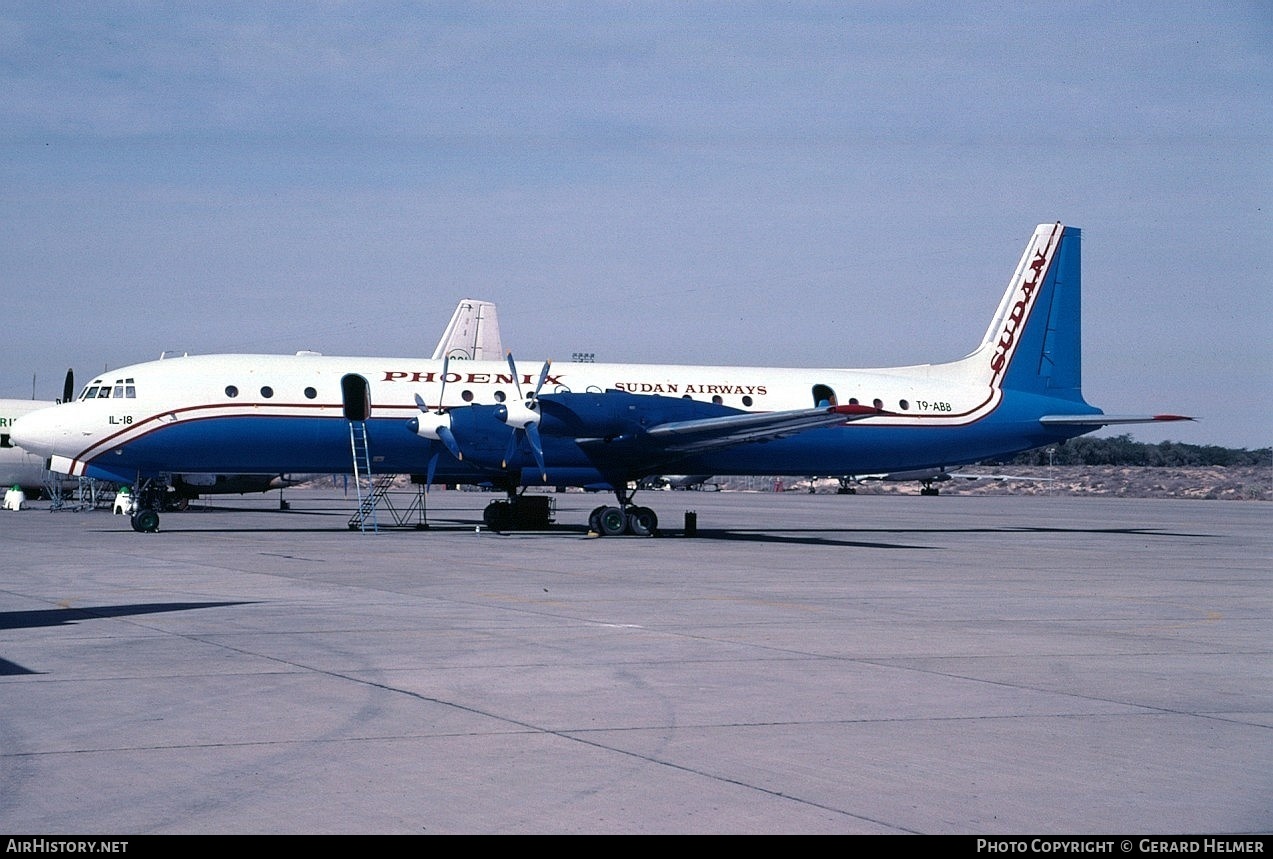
[926,477]
[676,481]
[594,423]
[472,334]
[17,466]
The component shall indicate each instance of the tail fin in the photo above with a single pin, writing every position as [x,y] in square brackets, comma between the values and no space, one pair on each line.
[1034,342]
[472,334]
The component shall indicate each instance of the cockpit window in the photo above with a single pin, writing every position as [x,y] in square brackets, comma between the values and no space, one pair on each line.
[122,388]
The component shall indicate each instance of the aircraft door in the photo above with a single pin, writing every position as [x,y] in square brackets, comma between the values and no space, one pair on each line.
[823,395]
[355,394]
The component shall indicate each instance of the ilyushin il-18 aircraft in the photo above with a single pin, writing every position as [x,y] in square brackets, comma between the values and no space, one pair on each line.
[589,424]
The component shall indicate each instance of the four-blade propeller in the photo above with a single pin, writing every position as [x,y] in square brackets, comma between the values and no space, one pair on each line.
[521,416]
[436,425]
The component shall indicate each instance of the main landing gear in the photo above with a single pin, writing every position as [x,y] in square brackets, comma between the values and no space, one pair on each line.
[610,521]
[521,512]
[626,518]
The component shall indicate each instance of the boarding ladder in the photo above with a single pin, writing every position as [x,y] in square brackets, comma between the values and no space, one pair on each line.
[365,518]
[383,491]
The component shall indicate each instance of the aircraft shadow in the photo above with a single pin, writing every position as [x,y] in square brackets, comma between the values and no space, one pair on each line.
[61,616]
[847,537]
[823,535]
[37,618]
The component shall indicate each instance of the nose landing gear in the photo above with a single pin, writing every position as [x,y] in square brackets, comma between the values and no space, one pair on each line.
[149,499]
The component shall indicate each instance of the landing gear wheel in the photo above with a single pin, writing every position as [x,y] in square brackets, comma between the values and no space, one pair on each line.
[498,516]
[611,521]
[594,519]
[145,520]
[642,521]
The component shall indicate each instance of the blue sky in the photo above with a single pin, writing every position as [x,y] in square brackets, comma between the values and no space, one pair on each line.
[799,184]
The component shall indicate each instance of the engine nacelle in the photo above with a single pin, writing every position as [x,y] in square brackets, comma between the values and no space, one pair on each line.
[428,425]
[518,414]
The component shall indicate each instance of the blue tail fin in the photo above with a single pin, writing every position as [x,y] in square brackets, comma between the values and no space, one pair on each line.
[1034,343]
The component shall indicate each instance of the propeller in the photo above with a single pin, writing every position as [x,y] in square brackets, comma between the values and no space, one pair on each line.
[523,417]
[436,425]
[68,387]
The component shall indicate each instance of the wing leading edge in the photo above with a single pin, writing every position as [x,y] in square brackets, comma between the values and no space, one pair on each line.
[715,433]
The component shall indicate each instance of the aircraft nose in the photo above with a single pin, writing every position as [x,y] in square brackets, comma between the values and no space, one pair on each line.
[35,432]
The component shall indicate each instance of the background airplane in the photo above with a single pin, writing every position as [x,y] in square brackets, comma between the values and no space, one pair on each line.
[472,334]
[17,466]
[927,478]
[675,481]
[589,423]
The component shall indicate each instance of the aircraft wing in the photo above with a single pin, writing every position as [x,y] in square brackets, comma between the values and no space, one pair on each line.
[714,433]
[622,433]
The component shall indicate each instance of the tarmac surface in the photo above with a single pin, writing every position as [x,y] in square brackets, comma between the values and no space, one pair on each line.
[804,664]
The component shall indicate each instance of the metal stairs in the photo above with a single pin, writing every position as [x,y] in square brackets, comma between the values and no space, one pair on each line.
[364,518]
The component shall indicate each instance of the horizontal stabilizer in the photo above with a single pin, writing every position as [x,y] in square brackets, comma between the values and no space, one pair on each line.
[1107,420]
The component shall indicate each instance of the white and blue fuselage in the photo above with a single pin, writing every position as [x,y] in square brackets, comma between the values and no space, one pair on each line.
[592,423]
